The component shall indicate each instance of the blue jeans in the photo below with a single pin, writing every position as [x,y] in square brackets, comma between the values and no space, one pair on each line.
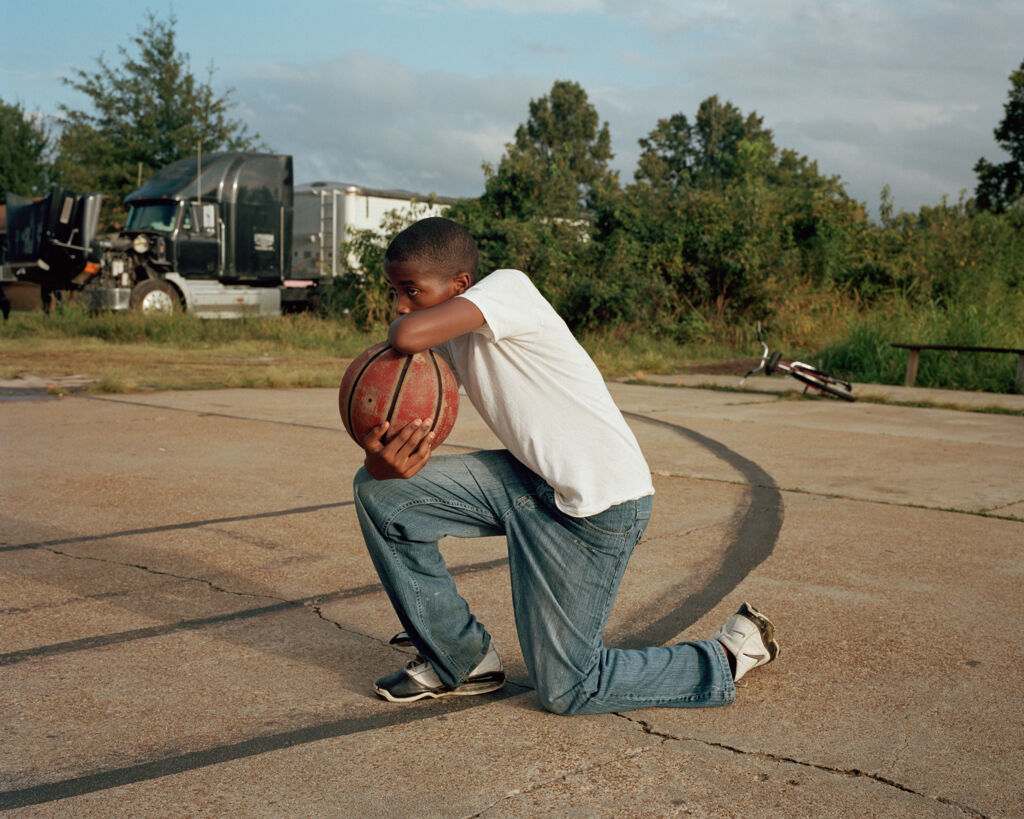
[565,573]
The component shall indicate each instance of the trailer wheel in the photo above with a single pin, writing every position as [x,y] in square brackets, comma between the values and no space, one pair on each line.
[155,296]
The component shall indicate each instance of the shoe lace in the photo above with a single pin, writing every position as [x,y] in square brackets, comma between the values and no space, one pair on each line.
[416,662]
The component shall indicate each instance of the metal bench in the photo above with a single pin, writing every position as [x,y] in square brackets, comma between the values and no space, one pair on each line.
[915,357]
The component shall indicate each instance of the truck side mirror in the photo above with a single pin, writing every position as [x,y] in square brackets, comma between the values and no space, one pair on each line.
[204,217]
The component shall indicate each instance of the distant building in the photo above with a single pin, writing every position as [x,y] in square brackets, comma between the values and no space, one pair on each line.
[325,212]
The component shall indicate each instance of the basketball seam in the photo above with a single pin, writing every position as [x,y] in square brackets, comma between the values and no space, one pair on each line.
[355,385]
[398,388]
[440,389]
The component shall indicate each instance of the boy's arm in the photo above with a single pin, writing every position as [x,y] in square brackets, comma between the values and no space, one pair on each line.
[405,454]
[423,329]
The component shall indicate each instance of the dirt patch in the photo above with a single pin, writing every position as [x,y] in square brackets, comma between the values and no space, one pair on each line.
[737,366]
[113,368]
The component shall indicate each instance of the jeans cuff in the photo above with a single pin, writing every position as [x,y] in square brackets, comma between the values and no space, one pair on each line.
[728,685]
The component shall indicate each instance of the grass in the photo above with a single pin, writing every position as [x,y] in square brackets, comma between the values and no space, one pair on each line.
[865,353]
[126,352]
[623,353]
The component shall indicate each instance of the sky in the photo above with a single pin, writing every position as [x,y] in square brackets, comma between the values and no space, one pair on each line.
[419,94]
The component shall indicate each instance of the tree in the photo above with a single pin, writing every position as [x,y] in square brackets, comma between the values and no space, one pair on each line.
[146,113]
[559,159]
[24,142]
[536,210]
[720,216]
[705,154]
[999,186]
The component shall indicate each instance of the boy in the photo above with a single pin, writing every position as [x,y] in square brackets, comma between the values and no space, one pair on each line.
[571,493]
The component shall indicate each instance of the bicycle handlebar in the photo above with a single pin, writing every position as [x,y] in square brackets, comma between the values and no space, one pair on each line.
[764,355]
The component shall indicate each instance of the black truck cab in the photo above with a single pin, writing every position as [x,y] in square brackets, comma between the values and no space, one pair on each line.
[226,216]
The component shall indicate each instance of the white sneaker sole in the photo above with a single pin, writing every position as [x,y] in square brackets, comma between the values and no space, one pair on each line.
[468,688]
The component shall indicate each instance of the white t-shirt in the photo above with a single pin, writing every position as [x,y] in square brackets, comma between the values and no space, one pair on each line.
[545,399]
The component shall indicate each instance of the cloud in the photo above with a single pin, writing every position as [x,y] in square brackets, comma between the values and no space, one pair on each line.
[525,7]
[373,121]
[879,93]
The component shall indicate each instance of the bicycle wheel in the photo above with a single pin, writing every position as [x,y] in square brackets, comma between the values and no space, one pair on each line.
[824,382]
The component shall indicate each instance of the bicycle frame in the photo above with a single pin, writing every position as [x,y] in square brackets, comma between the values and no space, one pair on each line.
[811,377]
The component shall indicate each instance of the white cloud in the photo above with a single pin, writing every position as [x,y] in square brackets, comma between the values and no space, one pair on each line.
[524,7]
[905,95]
[373,121]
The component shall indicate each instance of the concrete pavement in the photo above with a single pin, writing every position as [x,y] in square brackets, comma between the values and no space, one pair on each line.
[189,624]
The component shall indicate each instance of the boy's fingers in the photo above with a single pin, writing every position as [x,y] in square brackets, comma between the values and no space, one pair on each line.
[418,457]
[373,441]
[425,444]
[410,436]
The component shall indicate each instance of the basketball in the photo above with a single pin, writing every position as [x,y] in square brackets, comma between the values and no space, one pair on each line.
[384,385]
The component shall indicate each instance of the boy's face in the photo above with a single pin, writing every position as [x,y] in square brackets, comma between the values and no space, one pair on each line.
[417,285]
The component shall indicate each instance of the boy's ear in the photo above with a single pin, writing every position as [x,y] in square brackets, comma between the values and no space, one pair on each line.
[462,282]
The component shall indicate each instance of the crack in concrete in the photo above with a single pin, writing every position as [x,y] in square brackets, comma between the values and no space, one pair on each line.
[315,608]
[797,490]
[990,509]
[647,728]
[81,598]
[161,573]
[560,777]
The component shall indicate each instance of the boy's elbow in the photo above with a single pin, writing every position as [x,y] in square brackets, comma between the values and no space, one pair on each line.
[404,339]
[401,342]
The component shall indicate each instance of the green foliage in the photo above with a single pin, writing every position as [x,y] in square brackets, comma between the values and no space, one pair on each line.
[866,354]
[562,140]
[724,221]
[538,204]
[722,228]
[24,142]
[714,150]
[145,113]
[1001,185]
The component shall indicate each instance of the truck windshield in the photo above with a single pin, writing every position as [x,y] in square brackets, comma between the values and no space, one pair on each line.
[152,217]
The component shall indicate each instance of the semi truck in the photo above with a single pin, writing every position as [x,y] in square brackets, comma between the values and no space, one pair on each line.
[212,235]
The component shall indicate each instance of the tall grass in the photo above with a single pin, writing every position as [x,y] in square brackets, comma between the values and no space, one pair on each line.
[865,353]
[837,331]
[293,332]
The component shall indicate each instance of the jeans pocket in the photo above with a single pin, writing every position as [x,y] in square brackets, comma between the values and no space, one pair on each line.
[615,520]
[608,532]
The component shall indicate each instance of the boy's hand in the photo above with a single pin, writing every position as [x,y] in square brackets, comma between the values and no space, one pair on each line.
[401,457]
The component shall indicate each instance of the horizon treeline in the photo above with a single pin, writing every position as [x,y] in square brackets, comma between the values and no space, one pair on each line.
[722,228]
[719,227]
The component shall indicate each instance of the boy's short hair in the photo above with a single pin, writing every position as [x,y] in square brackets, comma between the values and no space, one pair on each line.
[440,242]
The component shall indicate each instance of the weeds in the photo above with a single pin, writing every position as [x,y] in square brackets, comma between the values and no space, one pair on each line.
[129,352]
[295,332]
[865,352]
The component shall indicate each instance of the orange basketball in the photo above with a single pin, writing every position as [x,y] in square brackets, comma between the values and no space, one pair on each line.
[384,385]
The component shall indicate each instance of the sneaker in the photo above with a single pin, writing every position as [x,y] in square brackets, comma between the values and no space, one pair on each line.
[750,638]
[418,680]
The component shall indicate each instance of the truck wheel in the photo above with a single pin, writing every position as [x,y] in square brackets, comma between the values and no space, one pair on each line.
[155,296]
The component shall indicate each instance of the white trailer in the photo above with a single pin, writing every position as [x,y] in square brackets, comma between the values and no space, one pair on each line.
[326,213]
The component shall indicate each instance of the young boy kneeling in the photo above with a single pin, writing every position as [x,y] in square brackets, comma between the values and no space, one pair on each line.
[571,493]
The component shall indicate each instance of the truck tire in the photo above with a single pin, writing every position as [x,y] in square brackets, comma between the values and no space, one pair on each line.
[155,296]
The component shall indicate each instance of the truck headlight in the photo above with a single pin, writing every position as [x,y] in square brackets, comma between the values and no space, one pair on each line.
[140,244]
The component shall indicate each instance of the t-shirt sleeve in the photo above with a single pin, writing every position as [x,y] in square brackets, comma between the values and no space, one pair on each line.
[510,303]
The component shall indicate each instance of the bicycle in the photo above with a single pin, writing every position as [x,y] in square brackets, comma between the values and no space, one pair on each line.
[810,377]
